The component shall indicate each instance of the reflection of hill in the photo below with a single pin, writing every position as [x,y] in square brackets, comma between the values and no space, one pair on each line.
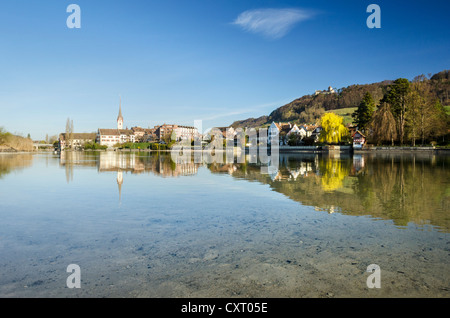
[402,188]
[11,162]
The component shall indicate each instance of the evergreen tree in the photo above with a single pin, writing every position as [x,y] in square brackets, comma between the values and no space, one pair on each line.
[363,114]
[396,98]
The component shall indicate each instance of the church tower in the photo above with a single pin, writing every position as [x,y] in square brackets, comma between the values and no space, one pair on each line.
[120,182]
[120,117]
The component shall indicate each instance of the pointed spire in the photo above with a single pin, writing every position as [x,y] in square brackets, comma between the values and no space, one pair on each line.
[120,117]
[119,183]
[120,109]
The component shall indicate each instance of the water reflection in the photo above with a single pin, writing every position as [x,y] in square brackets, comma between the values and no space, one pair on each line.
[14,162]
[136,163]
[403,188]
[411,188]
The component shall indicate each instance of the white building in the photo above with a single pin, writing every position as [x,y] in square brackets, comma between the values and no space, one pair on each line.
[185,132]
[111,137]
[76,140]
[329,91]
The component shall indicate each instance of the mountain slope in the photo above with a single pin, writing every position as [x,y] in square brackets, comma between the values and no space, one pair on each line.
[309,108]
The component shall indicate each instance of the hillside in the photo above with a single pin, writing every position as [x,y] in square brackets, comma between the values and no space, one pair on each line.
[13,143]
[309,108]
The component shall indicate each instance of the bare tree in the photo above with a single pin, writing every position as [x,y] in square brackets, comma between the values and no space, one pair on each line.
[383,125]
[69,133]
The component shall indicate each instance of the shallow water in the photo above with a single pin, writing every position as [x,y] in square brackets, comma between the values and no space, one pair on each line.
[141,225]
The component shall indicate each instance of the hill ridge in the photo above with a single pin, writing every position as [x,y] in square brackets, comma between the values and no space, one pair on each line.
[309,108]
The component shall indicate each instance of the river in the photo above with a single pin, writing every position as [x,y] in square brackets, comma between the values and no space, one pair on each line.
[143,225]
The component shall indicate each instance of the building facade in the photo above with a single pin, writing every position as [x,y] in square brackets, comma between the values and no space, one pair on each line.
[178,132]
[358,140]
[75,141]
[185,133]
[111,137]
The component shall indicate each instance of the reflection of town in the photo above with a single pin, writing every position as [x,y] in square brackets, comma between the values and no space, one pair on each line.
[401,188]
[294,167]
[135,163]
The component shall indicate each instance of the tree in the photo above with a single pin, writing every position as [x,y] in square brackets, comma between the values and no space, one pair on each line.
[333,129]
[414,117]
[4,136]
[426,116]
[53,139]
[441,124]
[396,98]
[363,114]
[420,116]
[383,126]
[293,139]
[69,133]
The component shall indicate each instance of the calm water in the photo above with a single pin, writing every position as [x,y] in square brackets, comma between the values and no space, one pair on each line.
[141,225]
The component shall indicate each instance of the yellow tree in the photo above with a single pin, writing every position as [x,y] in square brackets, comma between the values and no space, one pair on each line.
[333,173]
[333,129]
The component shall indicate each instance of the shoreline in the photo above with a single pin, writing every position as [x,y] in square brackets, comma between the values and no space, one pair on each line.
[282,149]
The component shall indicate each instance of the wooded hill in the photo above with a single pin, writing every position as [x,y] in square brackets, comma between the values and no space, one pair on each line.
[309,108]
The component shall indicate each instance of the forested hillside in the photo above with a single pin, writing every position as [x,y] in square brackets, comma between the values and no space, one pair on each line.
[309,108]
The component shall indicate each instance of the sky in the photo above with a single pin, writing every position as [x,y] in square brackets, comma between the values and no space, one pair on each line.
[177,61]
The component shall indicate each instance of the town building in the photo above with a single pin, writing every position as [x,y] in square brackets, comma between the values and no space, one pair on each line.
[164,132]
[168,132]
[280,129]
[358,140]
[75,141]
[284,130]
[325,92]
[143,134]
[185,133]
[111,137]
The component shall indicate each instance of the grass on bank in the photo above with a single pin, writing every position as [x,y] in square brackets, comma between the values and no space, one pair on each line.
[447,109]
[345,113]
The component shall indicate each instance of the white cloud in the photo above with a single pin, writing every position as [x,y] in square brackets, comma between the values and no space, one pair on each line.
[272,23]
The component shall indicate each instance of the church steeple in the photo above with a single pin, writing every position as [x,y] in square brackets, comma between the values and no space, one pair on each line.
[119,183]
[120,117]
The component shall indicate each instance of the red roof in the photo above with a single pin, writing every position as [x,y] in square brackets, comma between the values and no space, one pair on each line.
[358,132]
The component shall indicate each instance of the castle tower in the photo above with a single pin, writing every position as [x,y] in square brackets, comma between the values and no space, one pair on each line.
[120,117]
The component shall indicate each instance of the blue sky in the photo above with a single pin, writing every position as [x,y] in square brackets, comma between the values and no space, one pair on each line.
[176,61]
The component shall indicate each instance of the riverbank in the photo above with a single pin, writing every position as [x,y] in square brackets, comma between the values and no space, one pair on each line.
[402,149]
[299,149]
[7,149]
[282,149]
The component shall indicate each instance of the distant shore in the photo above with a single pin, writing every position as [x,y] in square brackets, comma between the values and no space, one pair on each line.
[299,149]
[282,149]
